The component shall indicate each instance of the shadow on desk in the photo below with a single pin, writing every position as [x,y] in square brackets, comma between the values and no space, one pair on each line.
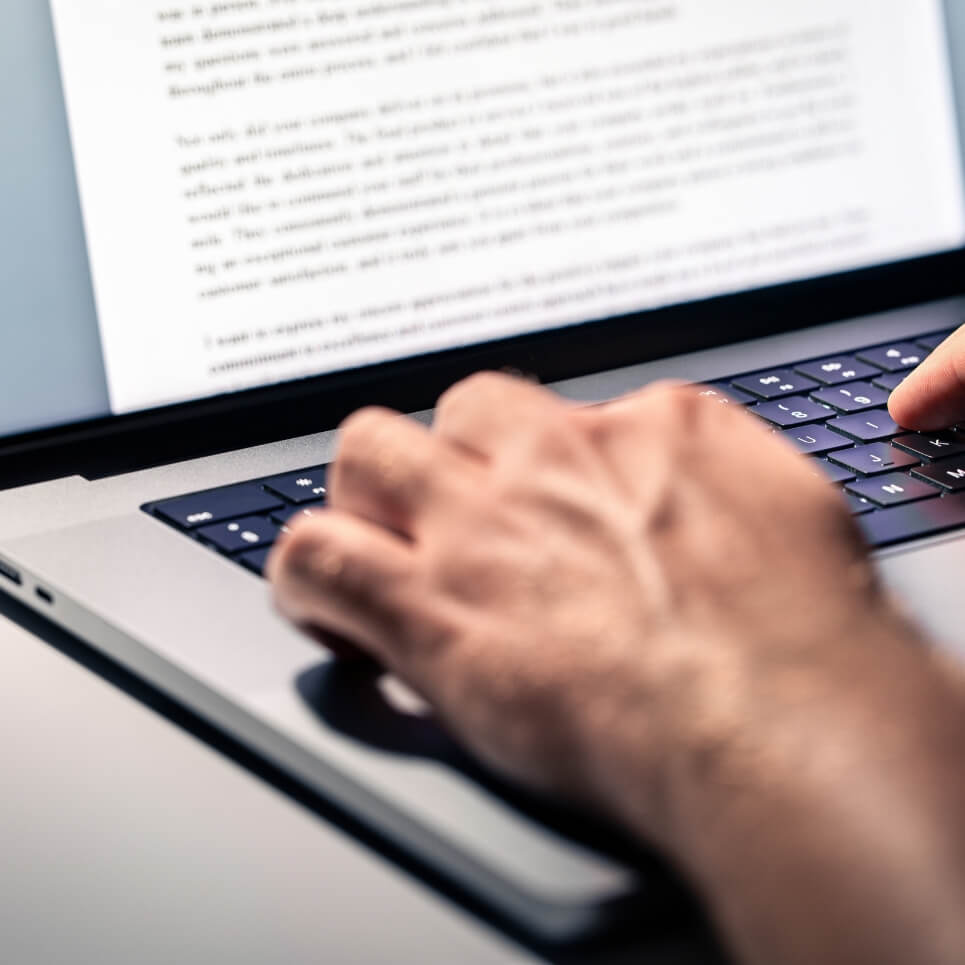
[675,934]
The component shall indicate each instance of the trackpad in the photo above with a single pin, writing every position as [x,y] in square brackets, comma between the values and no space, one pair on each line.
[930,583]
[379,712]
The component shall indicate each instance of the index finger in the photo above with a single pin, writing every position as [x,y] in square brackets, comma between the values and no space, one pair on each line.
[933,396]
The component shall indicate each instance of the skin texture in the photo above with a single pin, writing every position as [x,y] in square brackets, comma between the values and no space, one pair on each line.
[657,608]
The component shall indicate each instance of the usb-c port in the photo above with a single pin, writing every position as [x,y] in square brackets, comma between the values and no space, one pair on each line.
[7,571]
[45,595]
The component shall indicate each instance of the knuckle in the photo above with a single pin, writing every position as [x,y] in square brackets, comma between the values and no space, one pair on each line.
[361,430]
[362,438]
[663,416]
[478,386]
[685,405]
[667,396]
[598,426]
[678,412]
[471,399]
[485,389]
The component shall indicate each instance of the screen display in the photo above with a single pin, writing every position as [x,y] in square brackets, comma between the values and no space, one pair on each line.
[207,197]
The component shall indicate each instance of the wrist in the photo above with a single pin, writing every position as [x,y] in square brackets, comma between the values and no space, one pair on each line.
[735,719]
[807,734]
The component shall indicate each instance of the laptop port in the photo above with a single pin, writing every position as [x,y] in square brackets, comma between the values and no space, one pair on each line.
[45,595]
[7,571]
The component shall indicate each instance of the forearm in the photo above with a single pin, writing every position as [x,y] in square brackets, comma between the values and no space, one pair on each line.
[833,875]
[832,829]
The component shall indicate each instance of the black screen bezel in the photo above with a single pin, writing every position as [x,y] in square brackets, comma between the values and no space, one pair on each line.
[123,443]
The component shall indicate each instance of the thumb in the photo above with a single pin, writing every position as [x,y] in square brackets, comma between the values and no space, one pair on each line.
[933,396]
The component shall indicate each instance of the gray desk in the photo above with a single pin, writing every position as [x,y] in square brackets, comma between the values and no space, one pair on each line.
[125,839]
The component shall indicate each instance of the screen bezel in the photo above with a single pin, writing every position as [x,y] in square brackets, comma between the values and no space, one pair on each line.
[115,444]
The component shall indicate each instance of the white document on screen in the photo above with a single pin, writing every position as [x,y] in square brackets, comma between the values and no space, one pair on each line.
[279,188]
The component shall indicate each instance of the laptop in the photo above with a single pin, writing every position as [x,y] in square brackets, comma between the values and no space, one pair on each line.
[227,225]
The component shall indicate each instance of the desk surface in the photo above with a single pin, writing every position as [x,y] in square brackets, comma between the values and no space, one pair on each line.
[125,839]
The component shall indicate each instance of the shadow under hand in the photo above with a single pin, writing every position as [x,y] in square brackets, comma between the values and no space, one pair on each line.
[352,698]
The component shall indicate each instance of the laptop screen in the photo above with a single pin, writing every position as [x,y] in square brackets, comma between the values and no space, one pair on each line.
[206,197]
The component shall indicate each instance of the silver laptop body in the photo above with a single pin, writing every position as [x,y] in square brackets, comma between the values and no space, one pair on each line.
[83,552]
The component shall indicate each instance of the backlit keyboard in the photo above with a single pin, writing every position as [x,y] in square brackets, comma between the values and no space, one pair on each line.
[243,521]
[900,485]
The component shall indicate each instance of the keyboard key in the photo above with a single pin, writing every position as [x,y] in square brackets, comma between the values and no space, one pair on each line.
[724,393]
[894,358]
[285,517]
[892,490]
[890,380]
[255,560]
[938,445]
[775,385]
[834,371]
[927,518]
[306,486]
[231,502]
[816,440]
[875,459]
[949,475]
[831,472]
[240,534]
[853,397]
[867,426]
[831,410]
[786,413]
[931,342]
[857,505]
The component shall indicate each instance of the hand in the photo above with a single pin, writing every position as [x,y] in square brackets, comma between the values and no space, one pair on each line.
[933,396]
[573,588]
[656,606]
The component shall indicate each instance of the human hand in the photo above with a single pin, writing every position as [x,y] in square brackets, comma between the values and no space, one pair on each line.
[593,599]
[933,396]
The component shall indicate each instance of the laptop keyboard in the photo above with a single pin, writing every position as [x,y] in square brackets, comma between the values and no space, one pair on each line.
[900,485]
[243,521]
